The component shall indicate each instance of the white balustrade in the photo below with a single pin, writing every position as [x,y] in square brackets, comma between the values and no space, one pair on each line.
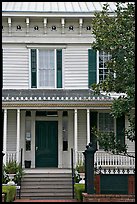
[104,159]
[11,156]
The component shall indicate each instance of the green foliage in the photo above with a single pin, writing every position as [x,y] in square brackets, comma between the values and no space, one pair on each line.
[79,188]
[107,140]
[10,193]
[116,35]
[76,176]
[12,168]
[80,167]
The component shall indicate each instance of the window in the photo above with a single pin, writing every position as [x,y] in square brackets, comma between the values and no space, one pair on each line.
[65,130]
[46,113]
[103,71]
[106,123]
[46,68]
[28,134]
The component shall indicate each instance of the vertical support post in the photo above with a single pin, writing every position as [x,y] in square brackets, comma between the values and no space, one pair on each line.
[89,168]
[75,134]
[88,126]
[5,136]
[18,136]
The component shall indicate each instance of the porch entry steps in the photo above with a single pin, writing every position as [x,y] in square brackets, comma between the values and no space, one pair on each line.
[46,185]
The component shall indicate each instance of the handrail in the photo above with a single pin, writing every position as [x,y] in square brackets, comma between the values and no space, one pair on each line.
[21,169]
[72,168]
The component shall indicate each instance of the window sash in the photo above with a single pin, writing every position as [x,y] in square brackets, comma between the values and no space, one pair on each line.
[46,68]
[103,71]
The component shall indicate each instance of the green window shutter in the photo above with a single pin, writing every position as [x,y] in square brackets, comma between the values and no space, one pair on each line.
[33,68]
[120,129]
[2,70]
[92,63]
[59,68]
[93,123]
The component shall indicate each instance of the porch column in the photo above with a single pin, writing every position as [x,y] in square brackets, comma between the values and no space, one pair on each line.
[5,136]
[88,126]
[18,136]
[75,135]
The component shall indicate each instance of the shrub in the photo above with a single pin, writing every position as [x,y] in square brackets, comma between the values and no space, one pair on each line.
[12,168]
[80,167]
[10,193]
[79,188]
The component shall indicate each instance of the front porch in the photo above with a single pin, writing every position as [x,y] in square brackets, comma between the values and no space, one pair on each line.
[74,112]
[101,158]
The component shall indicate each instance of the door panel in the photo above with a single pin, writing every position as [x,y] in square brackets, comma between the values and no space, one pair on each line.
[46,153]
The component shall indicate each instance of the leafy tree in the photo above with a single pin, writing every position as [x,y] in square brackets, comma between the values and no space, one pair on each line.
[116,35]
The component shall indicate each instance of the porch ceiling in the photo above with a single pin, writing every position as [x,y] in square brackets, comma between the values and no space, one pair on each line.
[59,97]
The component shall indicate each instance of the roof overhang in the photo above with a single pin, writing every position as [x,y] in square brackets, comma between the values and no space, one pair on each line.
[41,98]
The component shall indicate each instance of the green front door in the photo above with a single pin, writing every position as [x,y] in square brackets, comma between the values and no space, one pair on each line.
[46,144]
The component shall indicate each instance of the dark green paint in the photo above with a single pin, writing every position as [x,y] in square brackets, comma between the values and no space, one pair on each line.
[92,67]
[59,68]
[47,142]
[33,68]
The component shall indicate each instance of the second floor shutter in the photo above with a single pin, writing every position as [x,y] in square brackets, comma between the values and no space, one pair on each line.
[33,68]
[92,63]
[59,68]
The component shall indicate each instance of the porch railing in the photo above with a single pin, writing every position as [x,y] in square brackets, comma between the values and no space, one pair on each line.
[106,159]
[11,156]
[100,159]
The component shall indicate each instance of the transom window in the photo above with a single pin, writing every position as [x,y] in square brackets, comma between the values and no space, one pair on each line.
[103,71]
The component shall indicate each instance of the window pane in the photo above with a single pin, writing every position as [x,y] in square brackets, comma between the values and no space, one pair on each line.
[46,68]
[106,122]
[103,58]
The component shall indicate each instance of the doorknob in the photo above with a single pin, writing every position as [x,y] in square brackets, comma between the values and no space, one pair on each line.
[36,148]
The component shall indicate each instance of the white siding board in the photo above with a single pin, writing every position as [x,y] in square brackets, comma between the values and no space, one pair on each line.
[76,67]
[11,131]
[16,67]
[82,129]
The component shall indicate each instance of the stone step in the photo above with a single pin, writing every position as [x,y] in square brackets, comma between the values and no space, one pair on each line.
[45,175]
[49,185]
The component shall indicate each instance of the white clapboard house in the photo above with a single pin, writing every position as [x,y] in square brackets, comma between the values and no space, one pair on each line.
[48,68]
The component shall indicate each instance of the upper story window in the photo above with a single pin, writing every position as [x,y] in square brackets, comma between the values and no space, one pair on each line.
[46,68]
[103,71]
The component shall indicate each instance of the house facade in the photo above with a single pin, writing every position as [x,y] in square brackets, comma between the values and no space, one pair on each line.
[48,68]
